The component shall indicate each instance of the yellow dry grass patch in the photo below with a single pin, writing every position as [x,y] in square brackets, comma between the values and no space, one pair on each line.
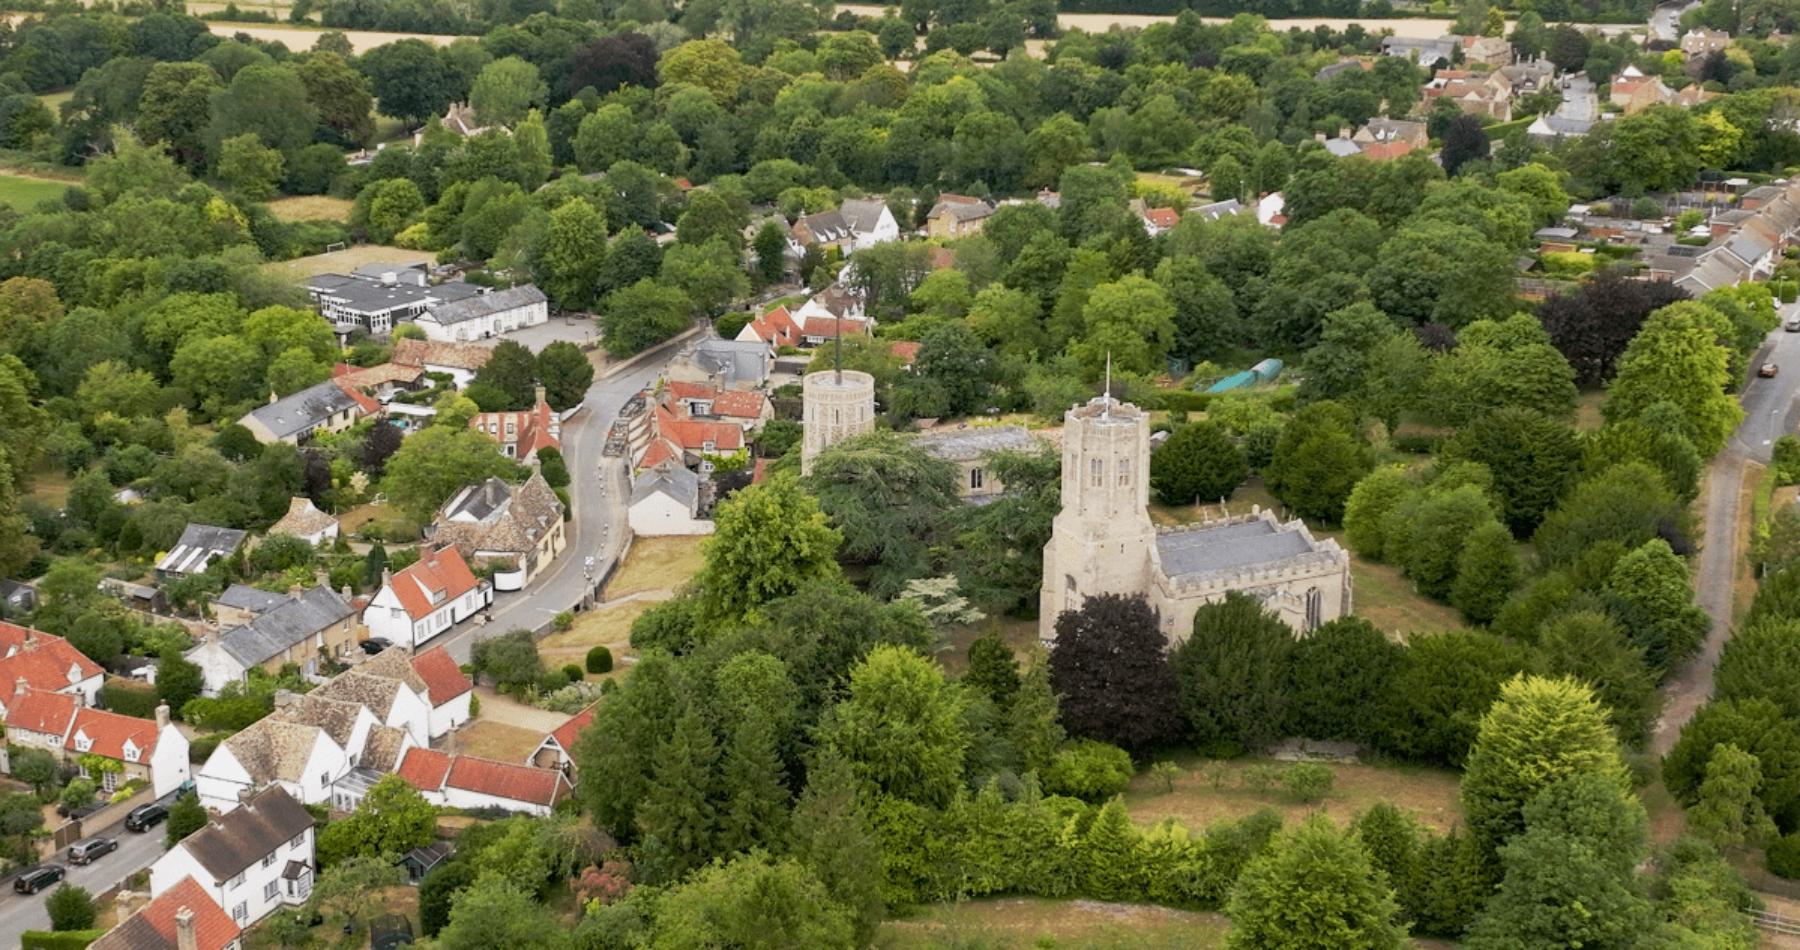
[656,564]
[344,261]
[310,208]
[1386,599]
[608,626]
[1430,795]
[1027,922]
[496,740]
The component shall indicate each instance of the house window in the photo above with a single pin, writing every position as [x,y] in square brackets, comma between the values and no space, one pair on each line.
[268,859]
[324,779]
[1315,608]
[294,845]
[235,882]
[974,479]
[271,890]
[241,913]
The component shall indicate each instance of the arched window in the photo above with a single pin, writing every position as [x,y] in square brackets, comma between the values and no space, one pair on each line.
[1097,470]
[1315,608]
[1124,472]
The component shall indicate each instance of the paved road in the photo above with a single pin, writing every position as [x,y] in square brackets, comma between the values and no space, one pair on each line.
[19,913]
[596,491]
[1768,414]
[1665,20]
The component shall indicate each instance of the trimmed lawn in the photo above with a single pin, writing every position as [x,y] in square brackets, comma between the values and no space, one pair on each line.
[23,192]
[1027,922]
[496,740]
[1430,795]
[344,261]
[953,645]
[656,564]
[1387,600]
[310,208]
[1251,493]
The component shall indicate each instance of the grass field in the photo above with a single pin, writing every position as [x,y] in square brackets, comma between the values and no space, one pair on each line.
[656,564]
[1387,600]
[50,485]
[608,626]
[54,100]
[24,193]
[496,740]
[1017,923]
[1428,794]
[310,208]
[344,261]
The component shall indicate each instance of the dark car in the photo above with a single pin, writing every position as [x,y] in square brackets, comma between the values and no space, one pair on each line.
[89,850]
[32,880]
[375,645]
[145,817]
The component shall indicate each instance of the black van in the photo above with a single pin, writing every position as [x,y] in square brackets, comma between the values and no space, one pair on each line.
[145,817]
[32,880]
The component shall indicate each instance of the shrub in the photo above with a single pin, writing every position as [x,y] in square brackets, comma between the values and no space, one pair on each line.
[65,940]
[129,699]
[599,660]
[199,750]
[1307,781]
[70,908]
[1089,770]
[1783,857]
[1259,779]
[563,621]
[573,672]
[474,706]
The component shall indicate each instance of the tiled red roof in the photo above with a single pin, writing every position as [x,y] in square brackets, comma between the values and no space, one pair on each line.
[42,711]
[693,434]
[682,389]
[1164,218]
[776,327]
[363,400]
[213,928]
[661,450]
[827,327]
[519,783]
[442,572]
[1385,151]
[467,356]
[531,428]
[565,734]
[45,661]
[907,350]
[760,471]
[444,680]
[424,768]
[107,733]
[739,404]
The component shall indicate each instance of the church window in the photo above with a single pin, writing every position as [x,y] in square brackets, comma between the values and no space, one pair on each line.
[1124,472]
[974,479]
[1315,608]
[1097,470]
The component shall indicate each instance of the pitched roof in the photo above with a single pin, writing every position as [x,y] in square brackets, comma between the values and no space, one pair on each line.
[488,304]
[381,374]
[44,661]
[827,327]
[423,353]
[444,680]
[199,545]
[285,625]
[241,837]
[825,226]
[153,927]
[435,579]
[395,664]
[308,408]
[519,783]
[274,747]
[671,478]
[961,211]
[975,442]
[527,429]
[736,403]
[907,350]
[566,733]
[494,516]
[375,693]
[776,327]
[694,434]
[41,711]
[107,734]
[862,214]
[245,597]
[381,751]
[424,768]
[1162,218]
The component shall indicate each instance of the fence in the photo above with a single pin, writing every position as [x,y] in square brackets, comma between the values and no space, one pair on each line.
[1776,923]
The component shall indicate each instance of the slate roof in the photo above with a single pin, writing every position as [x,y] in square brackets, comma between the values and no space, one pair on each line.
[670,478]
[199,545]
[285,625]
[310,407]
[234,841]
[245,597]
[826,226]
[962,211]
[443,679]
[1208,548]
[153,927]
[862,214]
[962,445]
[733,361]
[482,305]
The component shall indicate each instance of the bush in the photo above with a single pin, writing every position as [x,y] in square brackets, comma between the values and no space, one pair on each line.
[129,699]
[1786,459]
[1307,781]
[65,940]
[1783,857]
[199,750]
[599,660]
[70,908]
[563,621]
[474,706]
[573,672]
[1089,770]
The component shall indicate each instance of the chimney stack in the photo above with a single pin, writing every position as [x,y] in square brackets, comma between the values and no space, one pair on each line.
[538,390]
[185,938]
[162,716]
[21,686]
[322,578]
[387,577]
[294,591]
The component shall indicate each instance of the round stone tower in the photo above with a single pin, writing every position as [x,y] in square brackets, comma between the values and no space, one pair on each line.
[835,406]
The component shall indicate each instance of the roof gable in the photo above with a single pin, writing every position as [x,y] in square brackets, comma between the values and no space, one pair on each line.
[241,837]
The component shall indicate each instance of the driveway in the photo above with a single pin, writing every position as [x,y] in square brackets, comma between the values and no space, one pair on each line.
[19,913]
[1768,414]
[597,493]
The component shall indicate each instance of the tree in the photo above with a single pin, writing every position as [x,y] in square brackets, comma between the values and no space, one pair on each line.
[186,816]
[1533,459]
[712,65]
[756,903]
[610,62]
[1593,324]
[1726,810]
[266,101]
[70,908]
[1131,321]
[1444,684]
[1500,364]
[770,246]
[1487,570]
[341,94]
[249,168]
[508,379]
[1538,732]
[496,912]
[711,274]
[437,461]
[565,373]
[993,669]
[833,838]
[1233,673]
[998,555]
[568,264]
[677,819]
[173,110]
[1755,726]
[1678,358]
[1650,592]
[350,891]
[1366,511]
[1589,647]
[387,207]
[1198,463]
[1313,888]
[1627,502]
[1317,461]
[1109,667]
[1758,661]
[1437,272]
[392,819]
[1331,676]
[888,499]
[410,80]
[900,727]
[1464,141]
[532,138]
[769,540]
[642,315]
[177,680]
[505,90]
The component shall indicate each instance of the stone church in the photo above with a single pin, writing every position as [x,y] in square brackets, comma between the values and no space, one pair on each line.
[1104,543]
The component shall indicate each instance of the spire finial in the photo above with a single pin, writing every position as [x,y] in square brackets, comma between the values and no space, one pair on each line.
[1107,395]
[837,347]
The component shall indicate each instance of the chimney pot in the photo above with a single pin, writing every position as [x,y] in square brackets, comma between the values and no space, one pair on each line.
[185,938]
[162,716]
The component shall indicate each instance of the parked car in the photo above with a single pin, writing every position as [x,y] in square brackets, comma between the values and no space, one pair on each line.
[375,645]
[1793,325]
[36,879]
[89,850]
[1768,370]
[145,817]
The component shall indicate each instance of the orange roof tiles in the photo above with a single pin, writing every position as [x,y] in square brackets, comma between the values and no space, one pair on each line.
[434,580]
[42,711]
[827,327]
[1163,218]
[424,768]
[153,928]
[444,680]
[907,350]
[108,732]
[776,327]
[565,734]
[519,783]
[44,661]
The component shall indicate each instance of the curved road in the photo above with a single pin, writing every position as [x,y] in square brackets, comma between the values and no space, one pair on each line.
[1768,414]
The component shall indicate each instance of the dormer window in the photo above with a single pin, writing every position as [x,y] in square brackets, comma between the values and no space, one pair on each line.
[74,674]
[131,752]
[82,742]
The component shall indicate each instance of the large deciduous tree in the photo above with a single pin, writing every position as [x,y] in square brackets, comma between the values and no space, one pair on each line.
[1318,459]
[1109,664]
[1593,324]
[1678,357]
[900,727]
[436,462]
[770,540]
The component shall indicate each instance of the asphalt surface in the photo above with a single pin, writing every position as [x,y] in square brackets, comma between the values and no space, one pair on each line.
[1665,20]
[1768,414]
[597,490]
[20,912]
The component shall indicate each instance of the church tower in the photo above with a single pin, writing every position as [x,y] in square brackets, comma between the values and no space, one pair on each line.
[835,405]
[1100,541]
